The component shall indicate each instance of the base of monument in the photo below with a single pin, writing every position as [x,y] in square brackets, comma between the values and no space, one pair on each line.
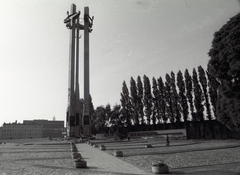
[86,130]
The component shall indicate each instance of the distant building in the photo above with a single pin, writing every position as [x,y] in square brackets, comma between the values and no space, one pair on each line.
[21,131]
[32,129]
[49,128]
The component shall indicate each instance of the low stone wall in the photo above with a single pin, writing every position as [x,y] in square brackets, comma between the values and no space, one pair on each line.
[172,133]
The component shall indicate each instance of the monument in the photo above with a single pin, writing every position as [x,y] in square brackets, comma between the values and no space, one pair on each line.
[78,111]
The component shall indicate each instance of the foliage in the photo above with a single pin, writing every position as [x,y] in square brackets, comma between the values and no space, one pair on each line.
[100,121]
[189,93]
[203,81]
[79,159]
[169,109]
[126,106]
[213,85]
[224,65]
[134,101]
[160,103]
[160,163]
[162,99]
[147,98]
[198,100]
[115,120]
[140,99]
[155,100]
[174,97]
[198,97]
[182,96]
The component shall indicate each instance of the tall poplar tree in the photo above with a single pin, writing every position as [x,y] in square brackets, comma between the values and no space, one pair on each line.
[134,101]
[203,81]
[155,102]
[162,100]
[147,99]
[189,93]
[198,99]
[140,100]
[182,97]
[175,104]
[213,86]
[126,106]
[169,108]
[108,112]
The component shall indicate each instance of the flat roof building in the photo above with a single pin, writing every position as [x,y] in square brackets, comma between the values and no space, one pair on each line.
[50,128]
[32,129]
[21,131]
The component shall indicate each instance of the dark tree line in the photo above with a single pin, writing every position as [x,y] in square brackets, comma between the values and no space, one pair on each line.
[179,99]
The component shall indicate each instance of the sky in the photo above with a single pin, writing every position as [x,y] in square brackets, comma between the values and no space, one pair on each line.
[130,38]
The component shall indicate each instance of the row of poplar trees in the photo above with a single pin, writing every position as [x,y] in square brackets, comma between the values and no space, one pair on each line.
[180,98]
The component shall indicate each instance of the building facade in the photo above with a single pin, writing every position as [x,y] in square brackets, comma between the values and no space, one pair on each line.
[21,131]
[51,128]
[32,129]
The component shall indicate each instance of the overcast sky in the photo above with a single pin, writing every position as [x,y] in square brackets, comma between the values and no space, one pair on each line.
[129,38]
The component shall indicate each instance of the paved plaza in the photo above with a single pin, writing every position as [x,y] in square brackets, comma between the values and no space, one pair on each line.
[102,162]
[54,158]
